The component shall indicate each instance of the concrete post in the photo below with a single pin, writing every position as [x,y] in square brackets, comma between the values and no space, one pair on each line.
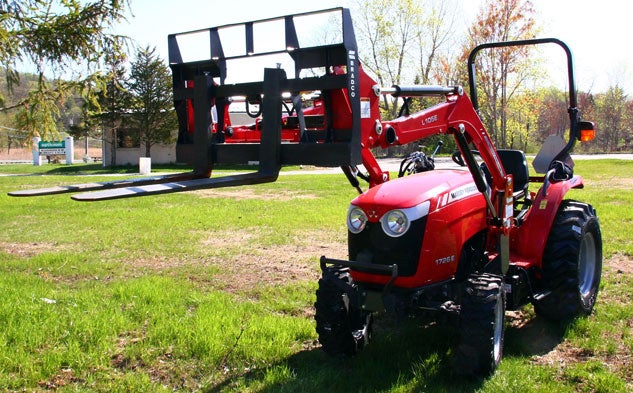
[69,150]
[145,165]
[37,159]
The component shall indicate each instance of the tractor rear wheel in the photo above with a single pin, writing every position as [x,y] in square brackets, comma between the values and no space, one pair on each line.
[482,325]
[572,263]
[343,329]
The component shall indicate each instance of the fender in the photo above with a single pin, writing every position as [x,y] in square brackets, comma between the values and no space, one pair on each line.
[540,218]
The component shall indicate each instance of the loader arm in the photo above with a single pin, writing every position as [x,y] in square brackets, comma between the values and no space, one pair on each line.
[457,117]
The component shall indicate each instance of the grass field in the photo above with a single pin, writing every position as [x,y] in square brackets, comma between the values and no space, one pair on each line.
[213,291]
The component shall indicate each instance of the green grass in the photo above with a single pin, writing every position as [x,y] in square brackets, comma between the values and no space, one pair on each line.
[213,291]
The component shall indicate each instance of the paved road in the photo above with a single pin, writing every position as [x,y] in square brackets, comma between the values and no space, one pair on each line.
[624,156]
[393,164]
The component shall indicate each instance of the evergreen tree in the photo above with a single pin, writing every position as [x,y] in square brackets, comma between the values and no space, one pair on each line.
[113,101]
[54,36]
[152,106]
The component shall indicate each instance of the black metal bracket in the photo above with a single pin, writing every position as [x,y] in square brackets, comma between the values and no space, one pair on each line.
[392,270]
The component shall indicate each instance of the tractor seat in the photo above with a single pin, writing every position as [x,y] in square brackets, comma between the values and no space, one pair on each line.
[514,163]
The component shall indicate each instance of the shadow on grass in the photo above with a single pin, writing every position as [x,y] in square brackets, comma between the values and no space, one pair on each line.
[533,337]
[90,169]
[412,356]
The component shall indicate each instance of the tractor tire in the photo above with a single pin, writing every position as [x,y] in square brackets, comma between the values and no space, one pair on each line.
[572,263]
[343,329]
[481,325]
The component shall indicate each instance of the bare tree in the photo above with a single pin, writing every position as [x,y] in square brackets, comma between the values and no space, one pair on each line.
[388,32]
[501,71]
[401,42]
[613,116]
[435,36]
[114,100]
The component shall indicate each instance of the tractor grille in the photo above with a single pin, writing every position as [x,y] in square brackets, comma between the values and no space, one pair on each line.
[374,246]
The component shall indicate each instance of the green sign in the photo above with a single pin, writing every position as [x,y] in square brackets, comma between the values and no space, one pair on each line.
[52,144]
[51,148]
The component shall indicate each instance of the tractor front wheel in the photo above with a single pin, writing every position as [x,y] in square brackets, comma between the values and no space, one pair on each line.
[482,325]
[572,263]
[343,329]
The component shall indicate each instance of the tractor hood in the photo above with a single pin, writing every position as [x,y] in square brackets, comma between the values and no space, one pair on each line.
[438,187]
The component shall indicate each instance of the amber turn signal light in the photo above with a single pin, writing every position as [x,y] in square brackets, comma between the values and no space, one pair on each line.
[587,131]
[587,135]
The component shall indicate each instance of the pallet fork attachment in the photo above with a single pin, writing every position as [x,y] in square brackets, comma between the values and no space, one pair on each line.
[102,185]
[200,86]
[176,186]
[100,191]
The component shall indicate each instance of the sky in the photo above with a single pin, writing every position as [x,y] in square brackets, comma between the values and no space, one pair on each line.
[596,31]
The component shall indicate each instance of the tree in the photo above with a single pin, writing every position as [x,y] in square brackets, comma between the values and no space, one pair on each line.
[113,100]
[152,99]
[553,118]
[614,117]
[434,35]
[523,114]
[54,36]
[501,72]
[400,43]
[389,30]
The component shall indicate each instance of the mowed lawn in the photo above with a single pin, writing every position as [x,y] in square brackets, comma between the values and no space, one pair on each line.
[213,291]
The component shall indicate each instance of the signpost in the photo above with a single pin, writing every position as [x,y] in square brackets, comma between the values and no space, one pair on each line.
[53,148]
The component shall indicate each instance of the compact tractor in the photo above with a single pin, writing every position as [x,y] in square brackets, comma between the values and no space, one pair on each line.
[470,242]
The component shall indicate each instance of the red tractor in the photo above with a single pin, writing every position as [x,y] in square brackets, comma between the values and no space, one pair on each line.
[471,242]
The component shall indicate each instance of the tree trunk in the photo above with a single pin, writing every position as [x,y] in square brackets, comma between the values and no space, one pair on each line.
[114,146]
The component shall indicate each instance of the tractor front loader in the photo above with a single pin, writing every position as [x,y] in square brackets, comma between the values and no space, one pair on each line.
[471,242]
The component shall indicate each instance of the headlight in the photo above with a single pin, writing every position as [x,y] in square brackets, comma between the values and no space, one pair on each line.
[395,223]
[356,219]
